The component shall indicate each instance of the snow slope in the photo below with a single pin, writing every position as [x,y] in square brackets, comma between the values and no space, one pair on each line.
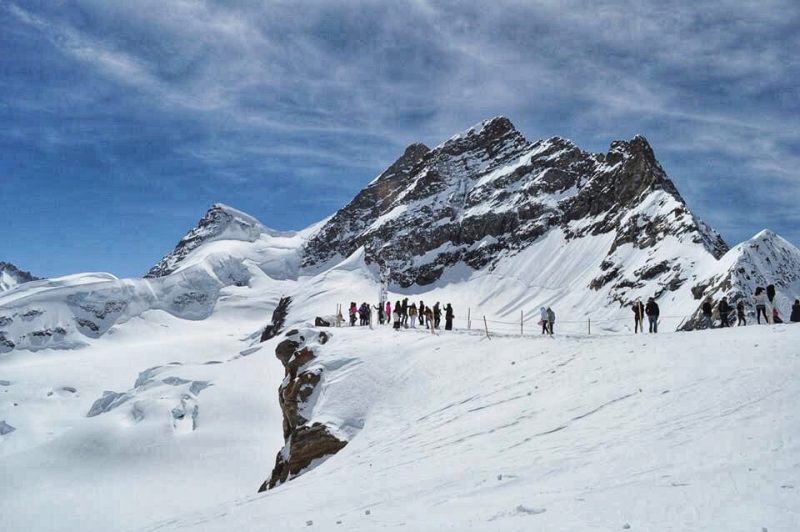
[462,433]
[680,431]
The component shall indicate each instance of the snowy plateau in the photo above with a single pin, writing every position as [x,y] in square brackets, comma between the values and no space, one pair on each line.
[165,402]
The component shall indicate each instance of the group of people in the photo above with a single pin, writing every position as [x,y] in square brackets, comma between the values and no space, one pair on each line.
[641,310]
[764,299]
[403,314]
[547,319]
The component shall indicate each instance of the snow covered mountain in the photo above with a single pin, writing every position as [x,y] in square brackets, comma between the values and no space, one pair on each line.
[173,381]
[765,259]
[11,276]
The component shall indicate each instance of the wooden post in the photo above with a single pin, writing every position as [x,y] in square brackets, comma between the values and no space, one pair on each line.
[469,318]
[521,331]
[590,326]
[486,326]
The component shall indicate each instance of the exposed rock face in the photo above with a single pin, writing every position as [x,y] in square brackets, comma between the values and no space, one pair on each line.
[763,260]
[11,276]
[220,222]
[278,319]
[306,441]
[488,193]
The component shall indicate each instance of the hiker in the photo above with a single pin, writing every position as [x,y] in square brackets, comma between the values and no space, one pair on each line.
[448,318]
[795,317]
[761,304]
[638,316]
[551,319]
[396,316]
[379,308]
[388,312]
[364,313]
[708,315]
[652,311]
[776,317]
[353,311]
[437,315]
[724,310]
[421,311]
[543,319]
[412,315]
[428,318]
[740,314]
[404,313]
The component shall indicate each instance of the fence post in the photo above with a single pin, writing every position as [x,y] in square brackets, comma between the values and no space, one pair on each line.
[486,326]
[590,326]
[469,318]
[521,330]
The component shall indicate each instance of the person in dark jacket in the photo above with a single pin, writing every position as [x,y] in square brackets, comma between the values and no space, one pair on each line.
[428,318]
[421,313]
[437,315]
[404,313]
[551,319]
[652,311]
[724,309]
[740,314]
[448,318]
[708,314]
[638,316]
[795,316]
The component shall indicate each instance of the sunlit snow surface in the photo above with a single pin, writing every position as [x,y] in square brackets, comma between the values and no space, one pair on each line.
[680,431]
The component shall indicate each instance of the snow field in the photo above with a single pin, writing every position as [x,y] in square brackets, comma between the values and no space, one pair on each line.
[679,431]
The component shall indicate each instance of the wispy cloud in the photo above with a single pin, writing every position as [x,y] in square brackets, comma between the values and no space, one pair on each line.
[304,92]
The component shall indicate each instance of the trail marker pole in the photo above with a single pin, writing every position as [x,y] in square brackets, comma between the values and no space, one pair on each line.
[590,326]
[486,326]
[469,318]
[521,331]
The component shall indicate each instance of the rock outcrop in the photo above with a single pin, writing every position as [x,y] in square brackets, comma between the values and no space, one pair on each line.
[306,441]
[278,319]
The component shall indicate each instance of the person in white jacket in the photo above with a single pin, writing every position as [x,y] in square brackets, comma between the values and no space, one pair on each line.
[761,304]
[543,320]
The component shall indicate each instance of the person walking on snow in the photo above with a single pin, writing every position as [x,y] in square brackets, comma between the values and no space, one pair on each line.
[761,304]
[740,313]
[551,319]
[543,319]
[388,312]
[353,311]
[448,318]
[724,309]
[421,312]
[638,316]
[396,316]
[708,314]
[437,315]
[795,316]
[412,315]
[428,318]
[652,311]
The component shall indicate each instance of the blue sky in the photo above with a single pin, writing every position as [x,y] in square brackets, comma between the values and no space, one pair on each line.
[122,122]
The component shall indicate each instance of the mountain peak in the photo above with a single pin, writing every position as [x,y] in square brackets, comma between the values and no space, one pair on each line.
[221,222]
[497,130]
[11,276]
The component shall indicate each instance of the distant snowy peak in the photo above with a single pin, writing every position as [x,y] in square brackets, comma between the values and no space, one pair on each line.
[221,222]
[11,276]
[488,193]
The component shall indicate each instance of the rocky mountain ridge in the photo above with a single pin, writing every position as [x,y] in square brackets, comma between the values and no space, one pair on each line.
[11,276]
[488,193]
